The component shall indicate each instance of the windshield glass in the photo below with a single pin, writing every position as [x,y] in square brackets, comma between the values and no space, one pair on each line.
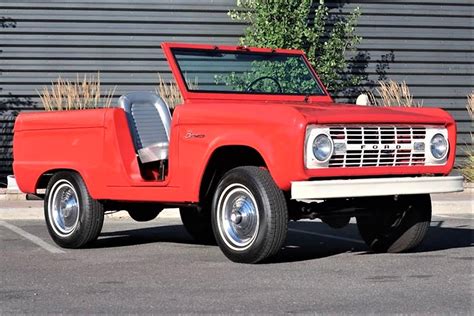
[246,72]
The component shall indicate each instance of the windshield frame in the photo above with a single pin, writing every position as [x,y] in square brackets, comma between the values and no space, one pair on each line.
[170,48]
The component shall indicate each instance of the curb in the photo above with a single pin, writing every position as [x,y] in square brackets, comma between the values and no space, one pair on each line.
[468,185]
[11,195]
[15,205]
[33,210]
[37,213]
[16,195]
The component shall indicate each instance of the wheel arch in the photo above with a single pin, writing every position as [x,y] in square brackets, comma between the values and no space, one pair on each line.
[223,159]
[44,178]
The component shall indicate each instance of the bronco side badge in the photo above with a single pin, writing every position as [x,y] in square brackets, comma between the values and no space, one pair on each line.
[190,134]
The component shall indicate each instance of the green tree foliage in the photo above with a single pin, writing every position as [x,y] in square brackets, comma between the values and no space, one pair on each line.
[287,75]
[293,24]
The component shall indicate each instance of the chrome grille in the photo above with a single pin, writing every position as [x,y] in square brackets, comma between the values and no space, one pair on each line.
[377,146]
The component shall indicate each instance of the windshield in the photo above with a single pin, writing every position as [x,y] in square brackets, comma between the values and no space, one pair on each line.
[246,72]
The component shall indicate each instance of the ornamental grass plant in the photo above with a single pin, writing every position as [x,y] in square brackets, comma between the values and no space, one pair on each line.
[83,93]
[468,165]
[169,91]
[392,93]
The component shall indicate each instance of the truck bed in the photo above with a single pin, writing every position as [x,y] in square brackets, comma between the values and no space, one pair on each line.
[97,144]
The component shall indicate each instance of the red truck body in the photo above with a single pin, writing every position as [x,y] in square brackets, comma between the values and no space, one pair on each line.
[97,144]
[265,130]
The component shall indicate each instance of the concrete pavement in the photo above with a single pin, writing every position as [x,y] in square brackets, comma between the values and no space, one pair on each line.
[156,268]
[31,210]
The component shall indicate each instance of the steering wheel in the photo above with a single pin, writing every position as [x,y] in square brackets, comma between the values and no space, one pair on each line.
[249,87]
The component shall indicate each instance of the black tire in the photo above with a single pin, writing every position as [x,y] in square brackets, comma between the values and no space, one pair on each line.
[256,226]
[144,213]
[67,200]
[198,224]
[400,228]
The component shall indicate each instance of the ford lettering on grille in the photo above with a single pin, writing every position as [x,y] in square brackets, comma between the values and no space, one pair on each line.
[374,146]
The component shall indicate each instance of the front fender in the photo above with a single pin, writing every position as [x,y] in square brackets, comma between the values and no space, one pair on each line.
[282,153]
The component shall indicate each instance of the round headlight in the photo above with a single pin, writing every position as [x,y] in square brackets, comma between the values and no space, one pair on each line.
[439,146]
[322,147]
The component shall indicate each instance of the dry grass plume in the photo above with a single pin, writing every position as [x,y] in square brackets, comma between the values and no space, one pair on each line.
[392,93]
[81,94]
[170,92]
[468,165]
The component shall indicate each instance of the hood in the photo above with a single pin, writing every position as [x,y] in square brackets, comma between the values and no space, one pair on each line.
[291,112]
[333,113]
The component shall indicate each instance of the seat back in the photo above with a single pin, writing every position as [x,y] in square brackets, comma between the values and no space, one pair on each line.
[149,119]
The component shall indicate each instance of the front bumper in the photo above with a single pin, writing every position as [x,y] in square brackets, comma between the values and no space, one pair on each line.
[326,189]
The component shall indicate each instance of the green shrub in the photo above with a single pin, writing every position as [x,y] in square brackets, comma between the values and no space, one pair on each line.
[293,77]
[291,24]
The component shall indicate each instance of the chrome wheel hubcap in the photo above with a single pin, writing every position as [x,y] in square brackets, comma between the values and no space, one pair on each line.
[63,208]
[238,218]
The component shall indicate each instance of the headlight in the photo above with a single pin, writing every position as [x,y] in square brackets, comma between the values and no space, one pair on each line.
[318,147]
[439,146]
[322,147]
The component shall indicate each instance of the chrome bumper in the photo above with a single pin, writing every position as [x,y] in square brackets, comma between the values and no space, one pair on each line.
[325,189]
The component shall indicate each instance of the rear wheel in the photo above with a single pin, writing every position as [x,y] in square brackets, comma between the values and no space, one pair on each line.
[197,222]
[72,216]
[249,215]
[399,228]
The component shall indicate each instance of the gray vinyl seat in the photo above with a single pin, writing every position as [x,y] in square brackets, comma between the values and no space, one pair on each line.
[149,119]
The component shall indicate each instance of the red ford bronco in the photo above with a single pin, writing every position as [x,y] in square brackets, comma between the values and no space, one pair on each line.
[257,142]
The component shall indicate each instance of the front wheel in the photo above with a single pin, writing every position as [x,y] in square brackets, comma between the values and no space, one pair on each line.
[399,227]
[72,216]
[249,215]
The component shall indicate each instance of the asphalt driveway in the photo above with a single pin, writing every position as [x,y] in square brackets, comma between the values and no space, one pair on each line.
[156,268]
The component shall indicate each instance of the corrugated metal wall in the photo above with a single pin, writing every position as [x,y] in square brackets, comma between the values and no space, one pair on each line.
[427,43]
